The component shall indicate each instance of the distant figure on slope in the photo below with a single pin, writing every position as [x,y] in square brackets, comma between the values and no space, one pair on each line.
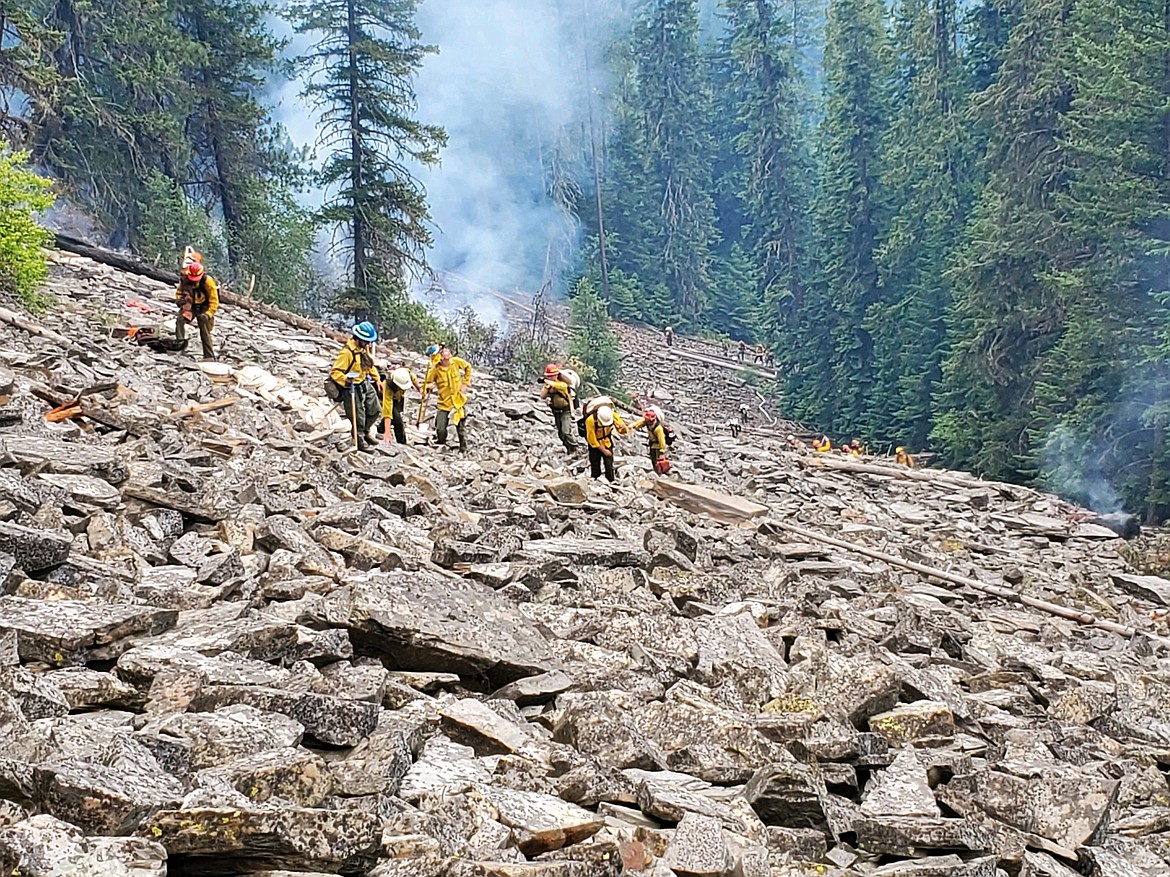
[559,395]
[741,352]
[900,456]
[669,333]
[795,443]
[394,400]
[355,374]
[822,445]
[600,422]
[758,358]
[198,298]
[450,377]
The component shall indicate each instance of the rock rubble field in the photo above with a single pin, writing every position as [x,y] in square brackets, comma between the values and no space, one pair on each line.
[230,646]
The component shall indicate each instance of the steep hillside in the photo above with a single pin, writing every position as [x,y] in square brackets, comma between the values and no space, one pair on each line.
[228,645]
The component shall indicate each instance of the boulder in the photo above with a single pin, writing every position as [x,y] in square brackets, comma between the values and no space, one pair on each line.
[63,632]
[422,621]
[901,789]
[44,846]
[697,848]
[914,721]
[566,491]
[34,549]
[229,841]
[292,775]
[278,531]
[596,726]
[226,734]
[330,720]
[787,794]
[539,822]
[106,800]
[532,690]
[470,721]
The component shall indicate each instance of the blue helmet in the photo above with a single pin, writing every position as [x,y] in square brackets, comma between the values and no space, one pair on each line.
[433,349]
[365,332]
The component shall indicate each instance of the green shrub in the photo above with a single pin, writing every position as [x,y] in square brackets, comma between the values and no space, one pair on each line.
[593,342]
[22,262]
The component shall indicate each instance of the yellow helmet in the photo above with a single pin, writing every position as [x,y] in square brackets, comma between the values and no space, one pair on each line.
[899,450]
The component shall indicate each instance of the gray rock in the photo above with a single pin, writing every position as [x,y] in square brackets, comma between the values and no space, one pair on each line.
[443,766]
[106,800]
[939,866]
[1058,803]
[139,666]
[587,552]
[330,720]
[401,501]
[535,689]
[228,841]
[44,846]
[907,836]
[38,696]
[278,531]
[540,823]
[292,775]
[901,790]
[84,688]
[914,721]
[34,549]
[66,632]
[85,489]
[352,517]
[786,793]
[425,622]
[698,849]
[226,734]
[594,725]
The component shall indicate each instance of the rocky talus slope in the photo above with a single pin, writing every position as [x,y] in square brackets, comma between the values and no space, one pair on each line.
[229,646]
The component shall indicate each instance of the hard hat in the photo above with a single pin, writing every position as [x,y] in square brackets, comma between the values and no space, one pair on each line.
[605,416]
[855,443]
[899,450]
[649,414]
[791,437]
[193,271]
[365,332]
[552,371]
[433,349]
[400,377]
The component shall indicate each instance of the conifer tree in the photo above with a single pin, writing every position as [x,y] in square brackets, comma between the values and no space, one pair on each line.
[833,349]
[1006,314]
[928,178]
[366,54]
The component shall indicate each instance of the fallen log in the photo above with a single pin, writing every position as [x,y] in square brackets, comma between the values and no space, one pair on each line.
[1087,619]
[135,265]
[192,410]
[14,319]
[933,476]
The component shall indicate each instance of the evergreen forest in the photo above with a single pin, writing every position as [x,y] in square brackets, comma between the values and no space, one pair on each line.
[950,222]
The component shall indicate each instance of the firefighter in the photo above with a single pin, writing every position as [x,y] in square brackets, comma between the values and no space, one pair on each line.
[822,445]
[900,456]
[394,400]
[669,333]
[655,425]
[559,395]
[600,422]
[450,376]
[355,375]
[198,299]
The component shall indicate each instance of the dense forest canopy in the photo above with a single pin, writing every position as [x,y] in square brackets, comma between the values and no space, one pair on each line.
[950,222]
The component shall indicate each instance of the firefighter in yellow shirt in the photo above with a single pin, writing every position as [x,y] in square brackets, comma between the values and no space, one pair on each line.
[450,377]
[356,376]
[655,425]
[600,421]
[198,299]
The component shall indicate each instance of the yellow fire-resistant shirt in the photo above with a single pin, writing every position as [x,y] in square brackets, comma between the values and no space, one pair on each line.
[449,381]
[352,359]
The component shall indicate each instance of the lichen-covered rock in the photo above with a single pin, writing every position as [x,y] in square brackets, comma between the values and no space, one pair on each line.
[84,688]
[106,800]
[425,622]
[595,725]
[63,632]
[913,721]
[901,789]
[540,822]
[44,846]
[333,721]
[293,775]
[698,849]
[34,549]
[217,840]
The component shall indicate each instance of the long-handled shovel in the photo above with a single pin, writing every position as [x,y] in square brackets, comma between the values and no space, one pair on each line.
[353,376]
[422,409]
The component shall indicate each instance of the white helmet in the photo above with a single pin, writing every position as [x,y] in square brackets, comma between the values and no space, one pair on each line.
[400,377]
[605,416]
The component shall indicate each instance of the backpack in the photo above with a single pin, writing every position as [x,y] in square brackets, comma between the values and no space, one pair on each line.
[581,431]
[669,433]
[332,389]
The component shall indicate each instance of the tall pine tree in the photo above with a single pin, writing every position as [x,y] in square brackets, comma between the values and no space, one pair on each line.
[928,180]
[1007,314]
[366,54]
[832,357]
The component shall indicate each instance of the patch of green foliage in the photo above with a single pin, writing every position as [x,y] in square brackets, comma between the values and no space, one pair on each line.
[23,194]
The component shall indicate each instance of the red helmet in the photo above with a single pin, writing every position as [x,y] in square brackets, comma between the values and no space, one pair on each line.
[649,414]
[194,271]
[552,371]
